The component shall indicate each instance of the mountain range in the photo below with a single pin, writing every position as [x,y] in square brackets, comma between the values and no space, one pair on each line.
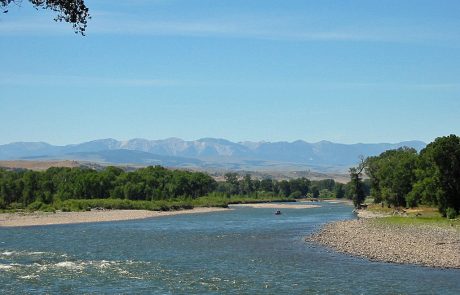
[207,153]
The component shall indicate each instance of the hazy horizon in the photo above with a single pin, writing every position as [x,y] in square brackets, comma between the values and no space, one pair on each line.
[204,138]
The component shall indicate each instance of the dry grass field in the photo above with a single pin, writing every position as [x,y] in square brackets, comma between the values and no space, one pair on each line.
[37,165]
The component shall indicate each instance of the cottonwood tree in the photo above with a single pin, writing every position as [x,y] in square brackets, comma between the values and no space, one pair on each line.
[441,160]
[392,175]
[339,190]
[74,12]
[356,184]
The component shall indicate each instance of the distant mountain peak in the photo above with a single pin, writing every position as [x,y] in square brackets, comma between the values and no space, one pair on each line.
[173,139]
[209,152]
[326,142]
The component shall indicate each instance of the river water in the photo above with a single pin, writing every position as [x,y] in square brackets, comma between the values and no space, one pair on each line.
[242,251]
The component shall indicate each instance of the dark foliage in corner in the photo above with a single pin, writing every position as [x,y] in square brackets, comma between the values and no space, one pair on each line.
[74,12]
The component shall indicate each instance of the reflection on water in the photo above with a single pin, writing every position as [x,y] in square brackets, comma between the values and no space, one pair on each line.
[243,251]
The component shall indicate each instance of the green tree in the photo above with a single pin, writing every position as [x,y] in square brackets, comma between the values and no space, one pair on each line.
[30,187]
[356,184]
[325,193]
[231,179]
[392,175]
[425,189]
[443,179]
[247,186]
[266,185]
[314,191]
[301,185]
[326,184]
[339,190]
[285,188]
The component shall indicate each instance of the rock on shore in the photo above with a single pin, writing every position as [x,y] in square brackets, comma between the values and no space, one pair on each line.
[414,244]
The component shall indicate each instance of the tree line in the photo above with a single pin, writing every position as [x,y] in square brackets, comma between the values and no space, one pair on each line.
[405,178]
[21,188]
[18,189]
[293,188]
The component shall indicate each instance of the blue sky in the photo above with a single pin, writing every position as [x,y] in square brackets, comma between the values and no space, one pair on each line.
[344,71]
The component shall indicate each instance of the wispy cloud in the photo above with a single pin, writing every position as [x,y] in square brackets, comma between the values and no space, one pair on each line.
[52,80]
[228,30]
[269,28]
[89,81]
[247,26]
[388,85]
[438,86]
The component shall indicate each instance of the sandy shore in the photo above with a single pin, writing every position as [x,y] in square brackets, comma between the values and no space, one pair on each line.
[413,244]
[339,201]
[277,206]
[370,214]
[42,218]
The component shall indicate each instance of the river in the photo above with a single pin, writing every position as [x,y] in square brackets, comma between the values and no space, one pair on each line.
[242,251]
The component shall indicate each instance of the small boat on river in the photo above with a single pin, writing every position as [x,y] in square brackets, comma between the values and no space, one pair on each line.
[277,212]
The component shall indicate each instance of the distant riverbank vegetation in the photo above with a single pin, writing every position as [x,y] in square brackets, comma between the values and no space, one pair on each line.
[151,188]
[405,178]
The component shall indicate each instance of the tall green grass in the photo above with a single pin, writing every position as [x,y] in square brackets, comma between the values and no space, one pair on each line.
[437,221]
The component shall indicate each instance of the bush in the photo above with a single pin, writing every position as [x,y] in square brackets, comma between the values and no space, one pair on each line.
[296,194]
[412,199]
[325,193]
[16,206]
[35,206]
[451,213]
[47,208]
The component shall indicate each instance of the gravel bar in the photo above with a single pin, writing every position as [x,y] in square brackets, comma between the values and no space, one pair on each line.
[425,245]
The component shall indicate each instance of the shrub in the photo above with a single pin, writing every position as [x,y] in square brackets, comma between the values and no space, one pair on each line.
[451,213]
[35,206]
[47,208]
[296,194]
[16,205]
[325,193]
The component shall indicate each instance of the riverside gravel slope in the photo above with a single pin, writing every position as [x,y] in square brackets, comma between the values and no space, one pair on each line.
[410,244]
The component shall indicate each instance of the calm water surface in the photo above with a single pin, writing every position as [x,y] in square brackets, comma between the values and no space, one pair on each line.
[244,251]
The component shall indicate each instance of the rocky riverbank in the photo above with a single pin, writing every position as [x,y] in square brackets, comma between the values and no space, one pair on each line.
[426,245]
